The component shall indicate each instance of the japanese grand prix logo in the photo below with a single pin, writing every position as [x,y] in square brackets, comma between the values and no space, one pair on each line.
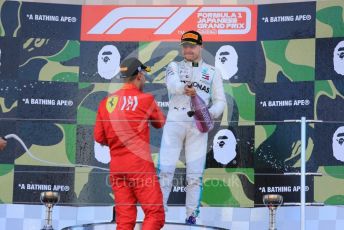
[150,23]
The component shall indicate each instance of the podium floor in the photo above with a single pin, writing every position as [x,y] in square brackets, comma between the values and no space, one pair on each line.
[138,226]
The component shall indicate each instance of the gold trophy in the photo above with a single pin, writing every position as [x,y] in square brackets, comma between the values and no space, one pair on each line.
[272,201]
[49,199]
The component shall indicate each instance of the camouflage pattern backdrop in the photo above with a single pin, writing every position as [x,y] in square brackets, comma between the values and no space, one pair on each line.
[51,82]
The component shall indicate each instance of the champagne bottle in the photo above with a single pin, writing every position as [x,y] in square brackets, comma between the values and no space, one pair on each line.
[202,117]
[200,112]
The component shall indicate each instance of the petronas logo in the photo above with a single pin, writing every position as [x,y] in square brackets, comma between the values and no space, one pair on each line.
[111,103]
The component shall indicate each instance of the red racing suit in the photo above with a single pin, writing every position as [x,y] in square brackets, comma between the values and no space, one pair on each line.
[122,123]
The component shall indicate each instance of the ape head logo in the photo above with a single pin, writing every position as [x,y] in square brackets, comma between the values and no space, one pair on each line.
[108,61]
[338,144]
[338,58]
[226,60]
[224,145]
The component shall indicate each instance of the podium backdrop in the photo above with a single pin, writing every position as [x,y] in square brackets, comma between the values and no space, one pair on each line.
[278,61]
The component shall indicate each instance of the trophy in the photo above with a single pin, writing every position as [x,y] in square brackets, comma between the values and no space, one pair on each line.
[272,201]
[49,199]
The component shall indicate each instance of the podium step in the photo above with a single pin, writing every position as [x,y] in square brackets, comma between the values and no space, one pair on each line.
[138,226]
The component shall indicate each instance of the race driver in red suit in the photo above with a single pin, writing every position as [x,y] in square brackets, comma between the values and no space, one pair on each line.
[122,123]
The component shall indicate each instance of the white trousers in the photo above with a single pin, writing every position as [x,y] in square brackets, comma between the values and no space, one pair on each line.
[178,129]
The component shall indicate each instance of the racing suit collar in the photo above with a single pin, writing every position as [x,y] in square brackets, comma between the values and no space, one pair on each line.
[129,86]
[190,63]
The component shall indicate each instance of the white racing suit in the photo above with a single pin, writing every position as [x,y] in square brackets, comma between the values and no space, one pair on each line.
[180,128]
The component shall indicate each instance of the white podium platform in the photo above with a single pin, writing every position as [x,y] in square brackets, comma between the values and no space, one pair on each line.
[138,226]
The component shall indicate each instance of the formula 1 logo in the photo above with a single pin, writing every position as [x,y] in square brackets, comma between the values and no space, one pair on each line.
[151,23]
[164,19]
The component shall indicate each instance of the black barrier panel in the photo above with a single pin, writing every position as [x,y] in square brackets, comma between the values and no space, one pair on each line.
[328,146]
[95,187]
[49,59]
[13,148]
[9,15]
[38,139]
[284,21]
[287,186]
[86,148]
[101,60]
[237,61]
[27,189]
[47,100]
[42,20]
[9,92]
[231,147]
[284,101]
[329,59]
[279,148]
[330,102]
[157,55]
[9,48]
[178,190]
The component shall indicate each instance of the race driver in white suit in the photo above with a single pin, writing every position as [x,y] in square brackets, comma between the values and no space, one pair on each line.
[181,128]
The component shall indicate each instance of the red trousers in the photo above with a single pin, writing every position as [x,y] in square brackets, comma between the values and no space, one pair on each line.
[132,188]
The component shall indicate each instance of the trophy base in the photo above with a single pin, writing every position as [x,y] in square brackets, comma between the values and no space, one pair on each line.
[47,228]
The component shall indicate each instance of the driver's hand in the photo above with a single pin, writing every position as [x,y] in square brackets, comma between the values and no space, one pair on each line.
[3,143]
[189,91]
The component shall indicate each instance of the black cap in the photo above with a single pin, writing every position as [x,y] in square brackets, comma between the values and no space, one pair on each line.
[192,37]
[131,67]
